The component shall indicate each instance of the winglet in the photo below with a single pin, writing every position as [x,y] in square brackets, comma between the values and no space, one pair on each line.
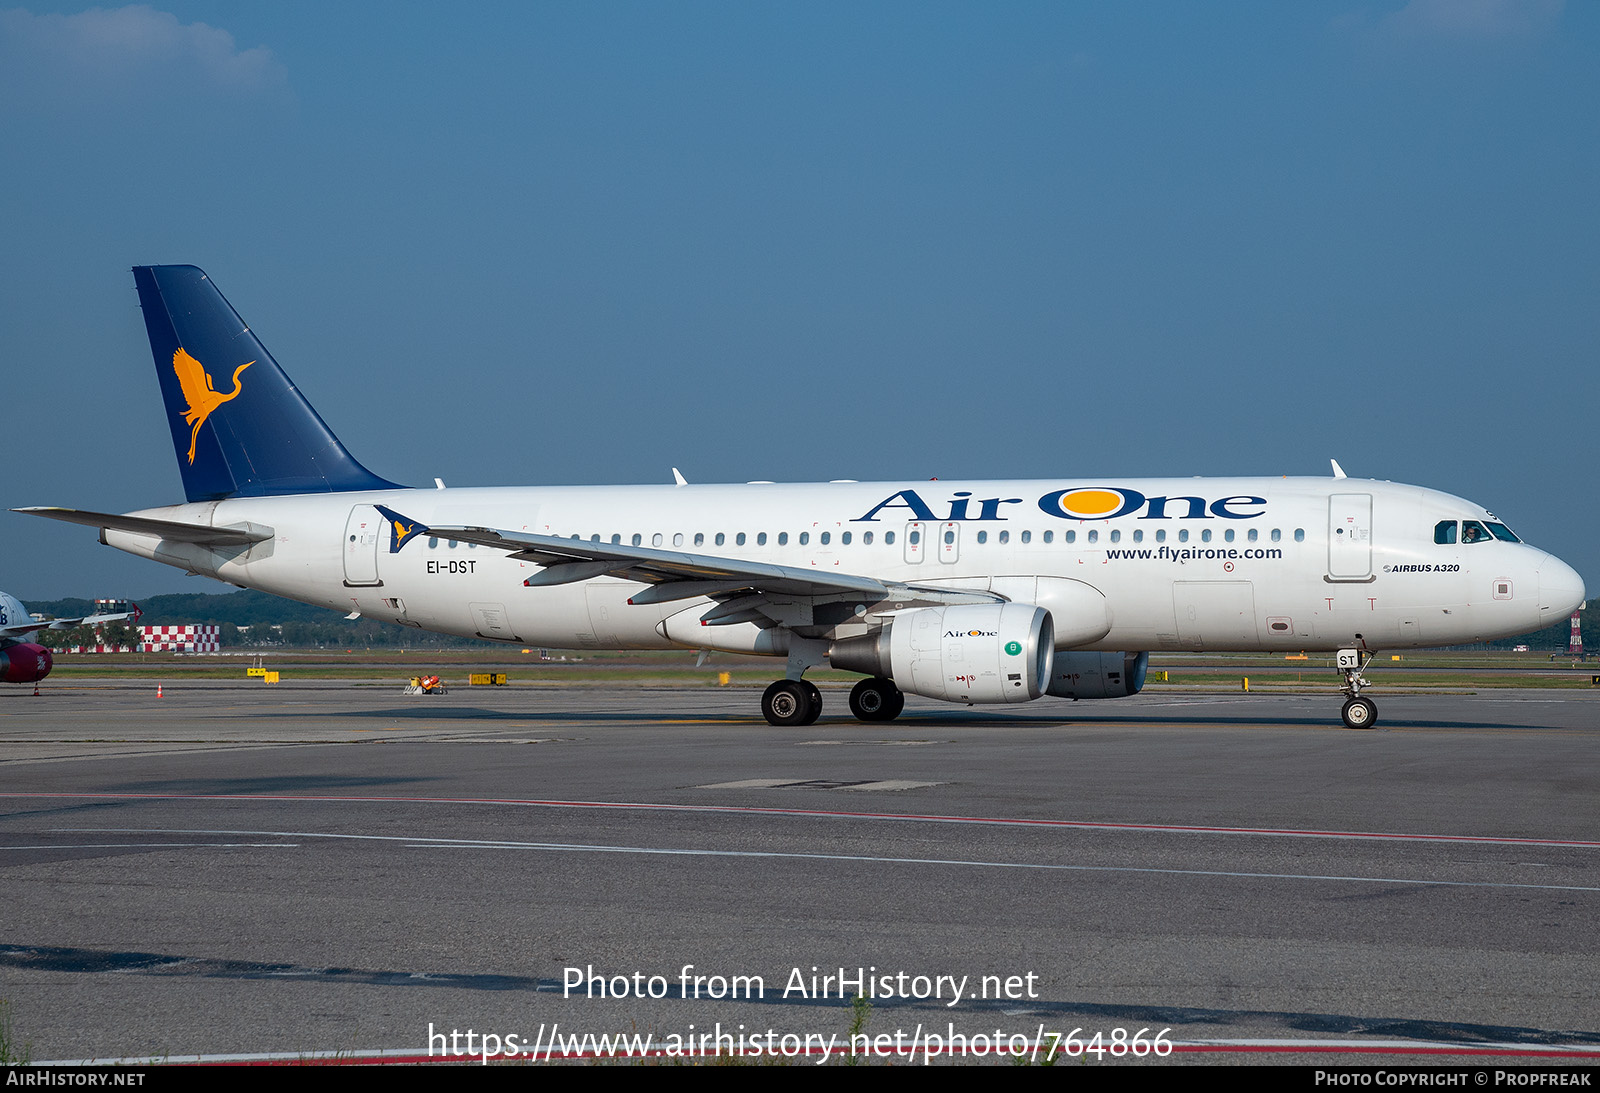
[1338,471]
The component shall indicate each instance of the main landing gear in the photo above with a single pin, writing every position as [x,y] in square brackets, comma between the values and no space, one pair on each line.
[1358,712]
[877,699]
[791,702]
[798,702]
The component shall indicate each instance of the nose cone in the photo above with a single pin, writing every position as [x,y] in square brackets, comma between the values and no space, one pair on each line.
[1560,589]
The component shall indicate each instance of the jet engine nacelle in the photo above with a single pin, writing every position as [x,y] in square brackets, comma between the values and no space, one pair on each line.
[24,663]
[969,653]
[1098,675]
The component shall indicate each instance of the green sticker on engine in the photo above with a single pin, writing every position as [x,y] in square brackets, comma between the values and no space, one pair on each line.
[1013,647]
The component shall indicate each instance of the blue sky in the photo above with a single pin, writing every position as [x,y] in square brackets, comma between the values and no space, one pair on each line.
[583,243]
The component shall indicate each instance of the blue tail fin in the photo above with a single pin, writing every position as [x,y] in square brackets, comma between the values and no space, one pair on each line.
[260,436]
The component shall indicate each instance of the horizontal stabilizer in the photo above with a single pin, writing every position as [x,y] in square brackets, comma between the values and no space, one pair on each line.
[200,534]
[61,624]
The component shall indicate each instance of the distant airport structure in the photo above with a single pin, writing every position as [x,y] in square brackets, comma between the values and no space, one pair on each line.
[164,639]
[1575,647]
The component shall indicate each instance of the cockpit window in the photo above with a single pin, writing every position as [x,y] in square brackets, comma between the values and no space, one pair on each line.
[1503,533]
[1473,532]
[1444,532]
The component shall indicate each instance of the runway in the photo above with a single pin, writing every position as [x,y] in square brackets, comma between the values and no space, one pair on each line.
[318,868]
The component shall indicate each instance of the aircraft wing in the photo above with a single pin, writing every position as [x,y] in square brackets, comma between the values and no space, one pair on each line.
[61,624]
[673,574]
[200,534]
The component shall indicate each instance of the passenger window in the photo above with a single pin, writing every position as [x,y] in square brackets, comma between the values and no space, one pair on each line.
[721,538]
[1205,535]
[1049,536]
[783,538]
[1444,532]
[637,539]
[805,537]
[1227,536]
[616,540]
[983,536]
[655,540]
[1276,535]
[699,538]
[1071,537]
[1161,535]
[1094,536]
[738,540]
[1251,534]
[1027,537]
[761,538]
[888,537]
[1299,535]
[1183,535]
[1005,536]
[845,539]
[433,543]
[1138,535]
[916,537]
[827,537]
[866,538]
[949,537]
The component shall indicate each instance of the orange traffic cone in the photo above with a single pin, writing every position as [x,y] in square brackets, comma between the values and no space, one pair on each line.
[158,690]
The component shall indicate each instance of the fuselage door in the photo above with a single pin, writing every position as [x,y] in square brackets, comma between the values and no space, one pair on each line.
[949,542]
[363,536]
[916,536]
[1350,536]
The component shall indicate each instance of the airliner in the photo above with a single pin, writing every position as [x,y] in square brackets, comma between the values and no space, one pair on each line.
[25,661]
[968,592]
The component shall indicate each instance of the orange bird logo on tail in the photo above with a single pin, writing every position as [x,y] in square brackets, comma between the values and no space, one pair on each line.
[201,396]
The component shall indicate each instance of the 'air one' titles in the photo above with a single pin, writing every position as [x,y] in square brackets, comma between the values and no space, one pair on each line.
[1098,503]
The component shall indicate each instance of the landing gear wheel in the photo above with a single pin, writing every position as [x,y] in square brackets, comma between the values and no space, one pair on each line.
[815,697]
[876,699]
[1360,713]
[791,702]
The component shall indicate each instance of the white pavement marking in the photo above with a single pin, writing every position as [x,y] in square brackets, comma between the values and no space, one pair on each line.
[426,842]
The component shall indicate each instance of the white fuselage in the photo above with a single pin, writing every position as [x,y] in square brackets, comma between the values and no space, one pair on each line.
[1218,563]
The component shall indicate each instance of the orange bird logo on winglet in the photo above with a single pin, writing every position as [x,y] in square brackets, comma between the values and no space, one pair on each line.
[201,396]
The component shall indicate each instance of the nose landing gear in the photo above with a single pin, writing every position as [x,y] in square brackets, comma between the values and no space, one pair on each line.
[1358,712]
